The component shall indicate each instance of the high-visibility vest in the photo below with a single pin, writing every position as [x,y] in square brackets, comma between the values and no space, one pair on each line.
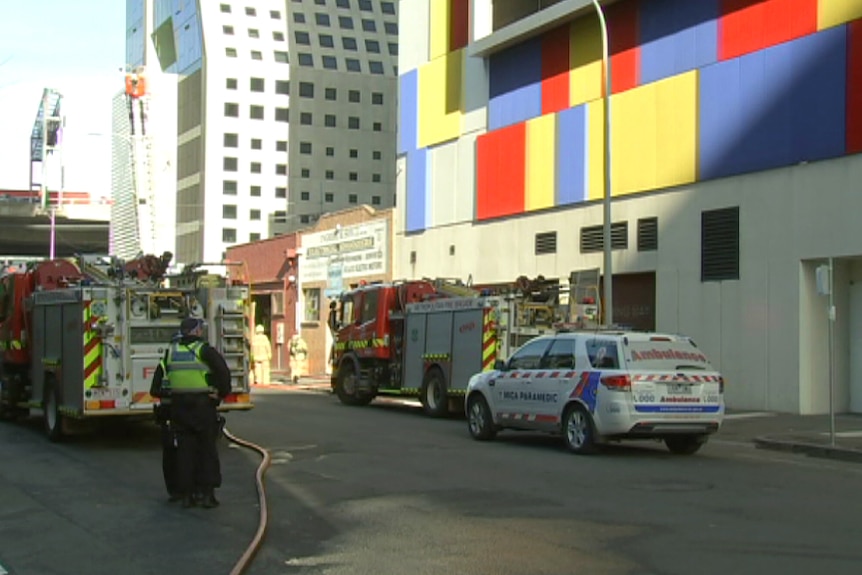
[185,370]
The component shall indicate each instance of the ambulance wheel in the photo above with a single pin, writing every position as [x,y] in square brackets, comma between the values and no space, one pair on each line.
[479,419]
[578,430]
[51,411]
[684,444]
[345,387]
[435,401]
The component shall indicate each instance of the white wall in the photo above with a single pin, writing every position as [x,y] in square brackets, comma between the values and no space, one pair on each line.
[413,34]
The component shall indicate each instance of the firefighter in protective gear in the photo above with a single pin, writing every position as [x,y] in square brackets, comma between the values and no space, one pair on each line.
[298,357]
[261,353]
[196,378]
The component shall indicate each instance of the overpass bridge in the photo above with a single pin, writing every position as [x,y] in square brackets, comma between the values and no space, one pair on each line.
[25,231]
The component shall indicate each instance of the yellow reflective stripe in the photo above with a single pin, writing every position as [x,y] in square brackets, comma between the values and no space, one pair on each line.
[92,351]
[435,356]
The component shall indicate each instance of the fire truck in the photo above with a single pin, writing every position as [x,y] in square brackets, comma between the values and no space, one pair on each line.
[426,338]
[81,340]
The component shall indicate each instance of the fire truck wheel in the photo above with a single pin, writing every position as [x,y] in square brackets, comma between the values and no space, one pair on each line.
[479,418]
[433,396]
[345,387]
[51,410]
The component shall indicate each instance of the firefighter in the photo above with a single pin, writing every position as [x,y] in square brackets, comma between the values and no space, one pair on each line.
[261,352]
[199,379]
[298,357]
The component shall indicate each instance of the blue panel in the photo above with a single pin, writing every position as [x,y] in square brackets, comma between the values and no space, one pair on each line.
[515,77]
[572,156]
[677,36]
[408,111]
[417,190]
[775,107]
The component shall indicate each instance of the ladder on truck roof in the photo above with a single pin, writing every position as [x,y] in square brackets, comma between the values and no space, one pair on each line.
[453,287]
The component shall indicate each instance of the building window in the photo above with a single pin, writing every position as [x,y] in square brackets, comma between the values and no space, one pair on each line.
[254,191]
[393,49]
[353,65]
[329,120]
[353,123]
[249,11]
[306,90]
[369,26]
[231,84]
[391,28]
[719,244]
[255,168]
[372,46]
[320,2]
[387,8]
[326,41]
[281,57]
[647,234]
[343,4]
[375,178]
[256,85]
[353,177]
[305,148]
[546,243]
[256,144]
[231,140]
[330,151]
[302,38]
[306,173]
[228,235]
[278,36]
[311,297]
[230,52]
[280,192]
[375,200]
[282,87]
[592,237]
[282,114]
[330,63]
[252,33]
[229,187]
[305,118]
[276,15]
[304,196]
[376,155]
[330,175]
[377,98]
[354,153]
[352,199]
[348,43]
[305,60]
[281,146]
[225,8]
[228,30]
[255,112]
[345,22]
[228,212]
[365,5]
[321,19]
[375,67]
[230,164]
[354,96]
[256,55]
[304,219]
[254,215]
[299,18]
[281,169]
[328,198]
[378,127]
[331,94]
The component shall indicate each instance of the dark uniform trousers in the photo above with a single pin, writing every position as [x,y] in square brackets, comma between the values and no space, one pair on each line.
[195,425]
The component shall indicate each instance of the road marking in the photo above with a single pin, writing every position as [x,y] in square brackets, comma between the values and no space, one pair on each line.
[844,433]
[3,571]
[750,415]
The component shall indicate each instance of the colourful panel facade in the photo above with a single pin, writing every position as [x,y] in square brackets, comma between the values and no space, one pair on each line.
[677,36]
[459,23]
[596,153]
[746,26]
[515,77]
[585,60]
[775,107]
[571,156]
[438,39]
[500,172]
[835,12]
[555,70]
[540,158]
[624,38]
[440,99]
[417,191]
[408,111]
[854,87]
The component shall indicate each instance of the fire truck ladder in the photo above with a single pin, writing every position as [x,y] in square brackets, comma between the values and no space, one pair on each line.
[453,287]
[143,174]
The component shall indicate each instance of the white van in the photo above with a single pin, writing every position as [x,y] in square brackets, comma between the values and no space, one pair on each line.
[598,386]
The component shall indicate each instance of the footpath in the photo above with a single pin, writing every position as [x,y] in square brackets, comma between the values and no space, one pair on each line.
[803,434]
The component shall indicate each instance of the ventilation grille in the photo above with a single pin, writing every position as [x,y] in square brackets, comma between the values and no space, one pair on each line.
[546,243]
[719,245]
[592,238]
[648,234]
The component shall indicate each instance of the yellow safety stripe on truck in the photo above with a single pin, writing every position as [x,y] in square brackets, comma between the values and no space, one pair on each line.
[489,339]
[92,350]
[361,344]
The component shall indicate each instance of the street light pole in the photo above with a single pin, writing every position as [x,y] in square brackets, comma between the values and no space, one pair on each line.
[608,307]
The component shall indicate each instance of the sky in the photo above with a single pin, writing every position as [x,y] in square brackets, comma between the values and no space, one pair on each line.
[76,47]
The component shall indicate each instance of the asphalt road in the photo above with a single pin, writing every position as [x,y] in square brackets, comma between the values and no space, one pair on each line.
[385,490]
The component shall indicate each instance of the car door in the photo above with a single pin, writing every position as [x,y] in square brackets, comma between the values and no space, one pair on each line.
[513,387]
[553,382]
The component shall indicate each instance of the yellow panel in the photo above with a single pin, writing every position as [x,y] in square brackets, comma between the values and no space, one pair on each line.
[541,140]
[439,36]
[633,140]
[676,122]
[834,12]
[440,99]
[585,61]
[596,150]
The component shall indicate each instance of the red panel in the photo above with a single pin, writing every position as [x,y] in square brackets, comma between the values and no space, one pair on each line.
[501,171]
[854,87]
[555,70]
[749,25]
[459,20]
[623,29]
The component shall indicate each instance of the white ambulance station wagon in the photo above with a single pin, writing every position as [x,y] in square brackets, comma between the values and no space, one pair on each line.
[598,386]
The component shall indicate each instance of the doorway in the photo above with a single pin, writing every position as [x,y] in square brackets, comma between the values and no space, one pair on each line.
[262,310]
[856,347]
